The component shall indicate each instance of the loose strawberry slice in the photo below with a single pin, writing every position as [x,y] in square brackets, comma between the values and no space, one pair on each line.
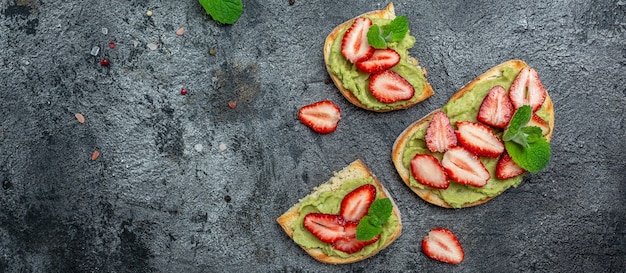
[506,168]
[354,45]
[479,139]
[496,109]
[440,136]
[327,227]
[381,60]
[539,122]
[428,171]
[321,116]
[527,89]
[464,167]
[389,86]
[349,243]
[356,203]
[442,245]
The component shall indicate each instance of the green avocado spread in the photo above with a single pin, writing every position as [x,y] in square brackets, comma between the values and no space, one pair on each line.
[330,202]
[466,108]
[358,82]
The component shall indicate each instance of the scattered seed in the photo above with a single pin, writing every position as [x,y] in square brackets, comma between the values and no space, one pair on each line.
[183,91]
[180,31]
[232,104]
[94,51]
[80,117]
[111,45]
[227,198]
[212,51]
[149,13]
[222,147]
[104,62]
[152,46]
[95,155]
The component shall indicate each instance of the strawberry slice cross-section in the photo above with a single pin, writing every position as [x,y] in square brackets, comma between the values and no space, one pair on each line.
[442,245]
[389,86]
[464,167]
[479,139]
[356,203]
[496,109]
[349,243]
[527,89]
[439,135]
[381,60]
[322,117]
[428,171]
[327,227]
[354,45]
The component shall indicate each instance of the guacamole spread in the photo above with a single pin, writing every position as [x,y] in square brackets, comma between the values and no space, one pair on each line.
[329,202]
[358,82]
[466,108]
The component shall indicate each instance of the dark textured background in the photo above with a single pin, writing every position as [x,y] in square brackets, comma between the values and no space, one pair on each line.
[163,196]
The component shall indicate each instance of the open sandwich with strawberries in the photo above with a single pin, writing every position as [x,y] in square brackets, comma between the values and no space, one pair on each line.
[489,134]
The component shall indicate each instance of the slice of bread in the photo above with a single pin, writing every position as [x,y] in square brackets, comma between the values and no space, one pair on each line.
[386,13]
[400,144]
[356,170]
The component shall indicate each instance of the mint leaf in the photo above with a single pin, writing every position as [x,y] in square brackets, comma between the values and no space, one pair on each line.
[381,208]
[520,118]
[534,158]
[374,37]
[368,228]
[223,11]
[532,133]
[397,29]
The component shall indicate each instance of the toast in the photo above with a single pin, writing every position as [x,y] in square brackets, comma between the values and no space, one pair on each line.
[413,131]
[423,90]
[357,170]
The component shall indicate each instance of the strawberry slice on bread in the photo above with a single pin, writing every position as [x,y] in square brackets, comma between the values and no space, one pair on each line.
[481,166]
[327,222]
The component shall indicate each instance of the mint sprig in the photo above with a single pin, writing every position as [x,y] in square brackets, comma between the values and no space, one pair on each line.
[378,37]
[223,11]
[526,144]
[372,224]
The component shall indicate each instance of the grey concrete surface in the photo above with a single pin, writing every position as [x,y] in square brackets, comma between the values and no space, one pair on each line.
[187,184]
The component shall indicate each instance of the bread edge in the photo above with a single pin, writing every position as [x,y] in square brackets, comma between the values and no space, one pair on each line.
[389,13]
[291,216]
[400,142]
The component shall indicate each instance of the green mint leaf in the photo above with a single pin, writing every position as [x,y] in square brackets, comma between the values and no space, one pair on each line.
[223,11]
[533,158]
[532,133]
[381,208]
[366,231]
[520,118]
[397,29]
[374,37]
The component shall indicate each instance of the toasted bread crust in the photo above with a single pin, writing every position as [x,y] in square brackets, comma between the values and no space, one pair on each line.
[387,13]
[401,142]
[289,218]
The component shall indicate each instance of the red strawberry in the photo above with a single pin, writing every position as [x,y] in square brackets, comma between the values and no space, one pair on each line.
[356,203]
[527,89]
[389,86]
[354,45]
[496,109]
[349,243]
[428,171]
[506,168]
[327,227]
[321,116]
[479,139]
[464,167]
[381,60]
[442,245]
[539,122]
[440,136]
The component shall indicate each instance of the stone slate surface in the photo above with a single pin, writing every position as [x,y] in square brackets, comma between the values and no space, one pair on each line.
[187,184]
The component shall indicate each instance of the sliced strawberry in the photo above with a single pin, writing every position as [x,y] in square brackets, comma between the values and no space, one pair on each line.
[354,45]
[356,203]
[381,60]
[506,168]
[464,167]
[389,86]
[442,245]
[321,116]
[327,227]
[440,136]
[496,109]
[479,139]
[349,243]
[428,171]
[527,89]
[539,122]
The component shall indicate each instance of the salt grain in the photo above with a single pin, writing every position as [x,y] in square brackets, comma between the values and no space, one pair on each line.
[180,31]
[94,51]
[105,31]
[152,46]
[222,147]
[149,13]
[198,147]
